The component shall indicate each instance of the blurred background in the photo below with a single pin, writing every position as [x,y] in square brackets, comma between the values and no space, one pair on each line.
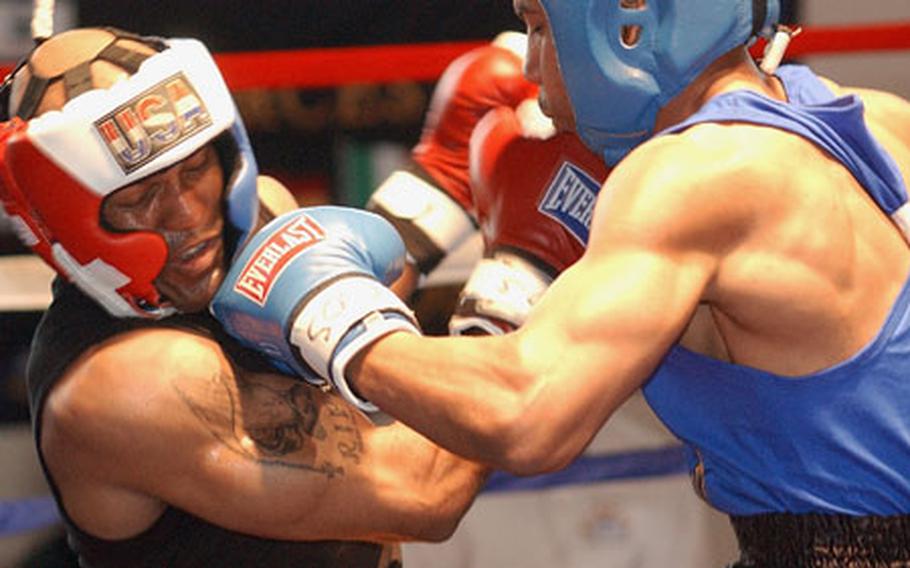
[331,144]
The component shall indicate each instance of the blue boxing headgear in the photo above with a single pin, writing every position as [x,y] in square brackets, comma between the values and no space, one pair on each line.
[57,168]
[616,85]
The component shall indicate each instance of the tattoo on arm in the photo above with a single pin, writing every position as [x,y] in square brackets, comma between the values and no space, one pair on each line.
[276,421]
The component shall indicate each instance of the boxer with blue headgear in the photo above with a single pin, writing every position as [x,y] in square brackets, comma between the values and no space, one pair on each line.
[58,167]
[639,55]
[764,209]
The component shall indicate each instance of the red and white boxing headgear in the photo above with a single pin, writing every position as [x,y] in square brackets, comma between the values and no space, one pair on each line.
[56,169]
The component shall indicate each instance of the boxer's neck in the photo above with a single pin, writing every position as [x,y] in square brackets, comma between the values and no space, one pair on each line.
[736,70]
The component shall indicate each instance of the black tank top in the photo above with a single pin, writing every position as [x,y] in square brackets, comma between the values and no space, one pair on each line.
[71,325]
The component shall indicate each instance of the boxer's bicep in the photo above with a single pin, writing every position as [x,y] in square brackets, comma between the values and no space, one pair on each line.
[274,196]
[606,322]
[287,453]
[600,331]
[161,418]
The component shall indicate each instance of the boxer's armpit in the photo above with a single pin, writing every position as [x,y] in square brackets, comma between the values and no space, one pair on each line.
[276,422]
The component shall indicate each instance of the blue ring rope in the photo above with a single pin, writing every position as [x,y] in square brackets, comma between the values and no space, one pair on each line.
[25,515]
[669,460]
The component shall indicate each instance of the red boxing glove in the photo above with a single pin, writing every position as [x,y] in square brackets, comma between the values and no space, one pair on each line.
[534,192]
[432,210]
[481,80]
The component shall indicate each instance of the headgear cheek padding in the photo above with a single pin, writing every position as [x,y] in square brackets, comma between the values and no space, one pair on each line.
[59,167]
[130,261]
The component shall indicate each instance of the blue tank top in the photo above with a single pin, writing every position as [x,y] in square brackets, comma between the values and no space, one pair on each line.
[836,441]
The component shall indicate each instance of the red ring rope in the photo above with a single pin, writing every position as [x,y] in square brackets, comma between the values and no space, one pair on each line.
[316,68]
[851,39]
[848,39]
[320,68]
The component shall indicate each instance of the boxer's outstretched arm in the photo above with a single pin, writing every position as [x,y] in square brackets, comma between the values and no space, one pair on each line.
[530,401]
[161,417]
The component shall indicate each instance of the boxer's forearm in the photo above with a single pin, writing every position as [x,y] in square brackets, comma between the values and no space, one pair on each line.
[471,395]
[434,385]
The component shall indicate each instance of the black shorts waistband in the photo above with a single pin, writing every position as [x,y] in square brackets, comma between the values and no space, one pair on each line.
[822,541]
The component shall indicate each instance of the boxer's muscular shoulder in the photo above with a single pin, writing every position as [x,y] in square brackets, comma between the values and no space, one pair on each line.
[886,113]
[122,395]
[888,118]
[833,86]
[708,173]
[890,109]
[134,364]
[878,103]
[275,196]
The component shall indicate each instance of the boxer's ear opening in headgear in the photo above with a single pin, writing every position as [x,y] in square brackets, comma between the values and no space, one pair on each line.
[630,34]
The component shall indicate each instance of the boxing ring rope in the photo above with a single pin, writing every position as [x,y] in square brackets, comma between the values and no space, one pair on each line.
[320,68]
[332,67]
[315,68]
[891,36]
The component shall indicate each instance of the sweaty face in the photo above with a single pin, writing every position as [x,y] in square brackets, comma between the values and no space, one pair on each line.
[542,65]
[183,204]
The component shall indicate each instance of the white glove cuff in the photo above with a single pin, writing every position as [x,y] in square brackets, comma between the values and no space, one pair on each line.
[504,287]
[321,326]
[425,206]
[373,326]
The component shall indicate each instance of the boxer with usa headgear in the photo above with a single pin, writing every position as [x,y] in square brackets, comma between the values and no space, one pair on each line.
[126,167]
[60,167]
[769,198]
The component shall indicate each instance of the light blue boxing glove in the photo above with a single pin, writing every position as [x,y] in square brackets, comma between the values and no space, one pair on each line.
[308,290]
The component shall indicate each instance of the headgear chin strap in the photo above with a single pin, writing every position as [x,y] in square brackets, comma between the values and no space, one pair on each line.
[622,61]
[56,169]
